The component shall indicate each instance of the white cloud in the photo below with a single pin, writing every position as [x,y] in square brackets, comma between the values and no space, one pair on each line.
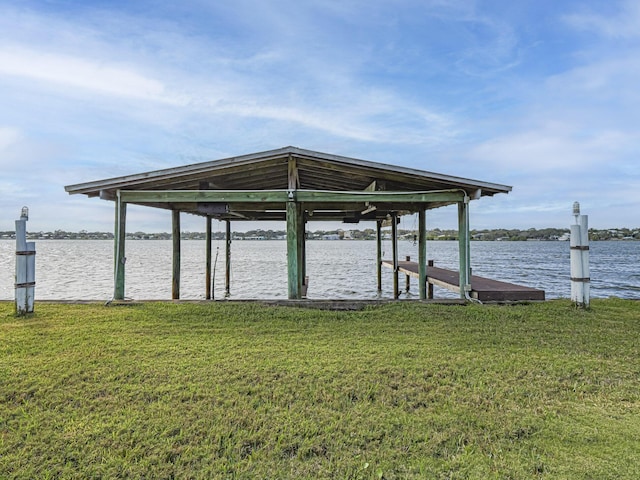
[623,24]
[9,137]
[548,150]
[74,72]
[379,119]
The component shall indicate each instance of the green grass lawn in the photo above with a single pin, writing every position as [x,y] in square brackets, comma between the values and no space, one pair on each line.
[406,390]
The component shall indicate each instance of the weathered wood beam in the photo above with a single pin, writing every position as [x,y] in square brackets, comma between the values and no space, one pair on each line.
[311,196]
[381,209]
[379,255]
[394,244]
[293,270]
[302,268]
[422,254]
[175,236]
[208,238]
[119,244]
[464,247]
[293,180]
[189,196]
[227,273]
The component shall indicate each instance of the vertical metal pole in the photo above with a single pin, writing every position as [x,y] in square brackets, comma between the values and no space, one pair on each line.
[175,236]
[227,256]
[119,251]
[422,254]
[394,241]
[292,248]
[207,268]
[379,255]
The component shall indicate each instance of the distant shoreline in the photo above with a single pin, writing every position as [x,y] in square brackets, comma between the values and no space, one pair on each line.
[532,234]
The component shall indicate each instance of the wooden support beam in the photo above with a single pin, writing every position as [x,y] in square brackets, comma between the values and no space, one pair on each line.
[430,285]
[293,256]
[303,196]
[175,236]
[292,173]
[309,196]
[422,254]
[379,255]
[394,242]
[208,238]
[302,244]
[407,283]
[227,273]
[464,248]
[196,196]
[119,252]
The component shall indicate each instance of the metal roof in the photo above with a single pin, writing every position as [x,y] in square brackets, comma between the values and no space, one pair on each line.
[270,170]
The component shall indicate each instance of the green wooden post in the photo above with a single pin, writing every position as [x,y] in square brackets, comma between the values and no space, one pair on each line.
[394,241]
[302,251]
[463,246]
[293,270]
[379,255]
[227,256]
[175,236]
[207,269]
[422,253]
[119,243]
[430,285]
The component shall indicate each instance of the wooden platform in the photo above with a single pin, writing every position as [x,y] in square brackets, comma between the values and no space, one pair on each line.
[483,289]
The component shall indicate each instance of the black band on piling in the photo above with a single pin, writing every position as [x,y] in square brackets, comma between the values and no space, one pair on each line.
[585,279]
[25,252]
[579,247]
[24,285]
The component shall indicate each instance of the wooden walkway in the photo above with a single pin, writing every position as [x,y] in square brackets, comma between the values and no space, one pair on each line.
[483,289]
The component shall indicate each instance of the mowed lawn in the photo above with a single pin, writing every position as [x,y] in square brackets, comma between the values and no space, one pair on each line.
[407,390]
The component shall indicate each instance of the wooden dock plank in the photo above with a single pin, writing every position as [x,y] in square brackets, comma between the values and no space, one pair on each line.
[483,289]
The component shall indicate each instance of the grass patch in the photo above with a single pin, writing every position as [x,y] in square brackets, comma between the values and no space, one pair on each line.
[162,390]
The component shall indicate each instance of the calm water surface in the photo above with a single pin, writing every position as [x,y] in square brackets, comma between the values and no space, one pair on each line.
[83,269]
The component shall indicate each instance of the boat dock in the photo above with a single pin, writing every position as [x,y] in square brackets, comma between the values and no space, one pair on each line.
[483,289]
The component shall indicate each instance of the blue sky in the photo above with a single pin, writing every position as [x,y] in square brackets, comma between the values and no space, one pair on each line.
[540,95]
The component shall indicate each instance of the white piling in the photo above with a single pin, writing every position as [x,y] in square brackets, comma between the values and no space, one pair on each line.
[25,279]
[580,280]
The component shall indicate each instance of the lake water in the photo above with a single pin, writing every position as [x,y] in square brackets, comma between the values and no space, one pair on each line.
[83,269]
